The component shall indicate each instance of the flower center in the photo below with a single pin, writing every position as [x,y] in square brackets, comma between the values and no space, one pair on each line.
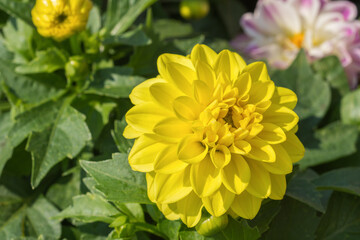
[60,18]
[297,39]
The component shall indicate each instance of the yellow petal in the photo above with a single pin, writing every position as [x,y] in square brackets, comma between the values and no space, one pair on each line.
[202,92]
[285,97]
[236,175]
[227,63]
[240,61]
[168,213]
[278,186]
[144,117]
[294,147]
[164,94]
[255,130]
[261,151]
[282,164]
[281,116]
[167,161]
[203,53]
[181,76]
[191,150]
[186,108]
[218,203]
[220,156]
[130,132]
[169,188]
[272,134]
[246,205]
[140,94]
[258,71]
[189,209]
[260,183]
[205,178]
[206,74]
[165,59]
[243,84]
[144,152]
[240,147]
[261,91]
[173,128]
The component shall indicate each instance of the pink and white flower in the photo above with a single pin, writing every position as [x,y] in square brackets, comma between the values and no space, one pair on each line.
[279,28]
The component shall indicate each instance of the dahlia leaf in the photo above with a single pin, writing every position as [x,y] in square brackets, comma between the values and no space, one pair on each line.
[35,88]
[170,28]
[302,189]
[122,143]
[170,228]
[131,11]
[331,142]
[136,37]
[40,215]
[64,138]
[89,208]
[331,70]
[114,82]
[344,179]
[295,221]
[341,220]
[17,9]
[5,146]
[350,108]
[313,94]
[117,180]
[48,61]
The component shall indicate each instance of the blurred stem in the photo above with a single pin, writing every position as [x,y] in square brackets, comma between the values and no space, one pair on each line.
[4,106]
[75,45]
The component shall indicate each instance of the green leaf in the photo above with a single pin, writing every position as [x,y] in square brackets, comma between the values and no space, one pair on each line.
[40,215]
[344,180]
[135,37]
[342,218]
[130,11]
[237,230]
[17,9]
[170,228]
[5,146]
[97,112]
[68,186]
[123,144]
[331,142]
[331,70]
[267,213]
[94,21]
[112,83]
[191,235]
[302,189]
[89,208]
[12,228]
[133,210]
[36,88]
[350,108]
[186,45]
[36,119]
[48,61]
[313,94]
[64,138]
[117,180]
[170,28]
[294,221]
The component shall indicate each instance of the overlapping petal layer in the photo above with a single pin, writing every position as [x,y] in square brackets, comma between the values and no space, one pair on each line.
[60,19]
[212,132]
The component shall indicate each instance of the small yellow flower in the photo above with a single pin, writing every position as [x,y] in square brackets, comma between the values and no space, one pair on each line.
[60,19]
[212,132]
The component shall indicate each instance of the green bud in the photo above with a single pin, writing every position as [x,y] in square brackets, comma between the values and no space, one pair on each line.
[209,226]
[194,9]
[76,68]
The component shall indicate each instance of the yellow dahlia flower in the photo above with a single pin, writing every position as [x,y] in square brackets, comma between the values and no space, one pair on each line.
[60,19]
[212,132]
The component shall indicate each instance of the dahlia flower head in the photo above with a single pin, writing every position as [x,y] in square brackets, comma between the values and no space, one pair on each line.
[60,19]
[279,28]
[212,132]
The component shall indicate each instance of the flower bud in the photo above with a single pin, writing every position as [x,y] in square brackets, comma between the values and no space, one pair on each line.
[194,9]
[76,68]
